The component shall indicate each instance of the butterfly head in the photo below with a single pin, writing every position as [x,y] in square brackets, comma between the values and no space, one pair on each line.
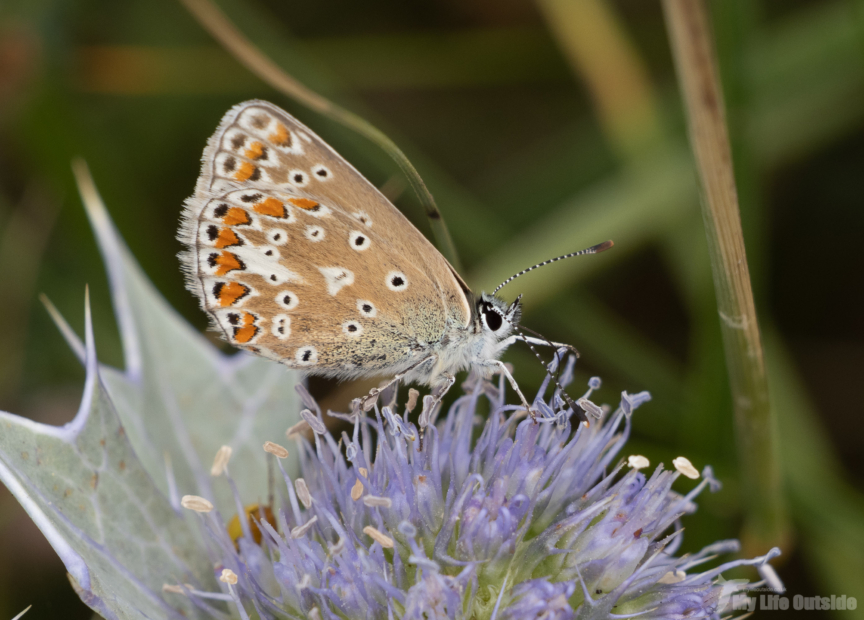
[495,317]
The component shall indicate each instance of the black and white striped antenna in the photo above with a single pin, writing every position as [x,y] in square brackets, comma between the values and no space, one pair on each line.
[594,249]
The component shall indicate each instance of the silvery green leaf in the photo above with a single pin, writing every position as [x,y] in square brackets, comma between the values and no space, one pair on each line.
[85,488]
[104,489]
[181,396]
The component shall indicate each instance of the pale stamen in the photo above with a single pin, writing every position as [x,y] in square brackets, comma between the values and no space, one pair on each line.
[382,539]
[220,461]
[196,503]
[275,449]
[685,467]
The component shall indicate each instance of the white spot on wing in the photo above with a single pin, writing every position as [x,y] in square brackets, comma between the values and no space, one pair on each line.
[221,185]
[255,121]
[234,137]
[281,326]
[226,164]
[306,356]
[320,211]
[367,308]
[277,236]
[352,329]
[396,281]
[272,271]
[336,278]
[321,172]
[287,299]
[358,241]
[364,218]
[260,125]
[270,253]
[314,233]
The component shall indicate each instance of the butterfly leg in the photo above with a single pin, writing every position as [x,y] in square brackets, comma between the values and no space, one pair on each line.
[540,341]
[502,368]
[440,392]
[536,341]
[397,377]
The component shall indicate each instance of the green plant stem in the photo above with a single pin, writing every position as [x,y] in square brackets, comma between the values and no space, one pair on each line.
[693,52]
[220,27]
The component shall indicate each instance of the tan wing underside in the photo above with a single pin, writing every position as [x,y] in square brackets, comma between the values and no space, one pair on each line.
[289,247]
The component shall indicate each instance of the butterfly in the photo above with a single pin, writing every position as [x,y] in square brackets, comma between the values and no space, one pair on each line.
[296,257]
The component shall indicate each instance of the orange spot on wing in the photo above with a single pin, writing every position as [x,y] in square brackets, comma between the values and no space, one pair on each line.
[255,150]
[303,203]
[247,332]
[271,207]
[280,136]
[231,292]
[245,171]
[236,217]
[227,262]
[227,238]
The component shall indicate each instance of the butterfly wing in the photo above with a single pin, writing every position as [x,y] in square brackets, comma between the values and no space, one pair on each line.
[297,257]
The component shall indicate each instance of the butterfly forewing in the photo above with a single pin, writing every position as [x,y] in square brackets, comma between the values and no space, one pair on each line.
[296,256]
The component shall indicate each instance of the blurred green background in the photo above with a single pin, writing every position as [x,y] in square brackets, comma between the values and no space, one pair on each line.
[541,128]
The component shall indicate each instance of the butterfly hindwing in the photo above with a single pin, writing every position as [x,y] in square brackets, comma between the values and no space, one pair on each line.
[296,256]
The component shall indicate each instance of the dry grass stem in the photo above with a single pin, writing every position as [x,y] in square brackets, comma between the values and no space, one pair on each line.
[693,52]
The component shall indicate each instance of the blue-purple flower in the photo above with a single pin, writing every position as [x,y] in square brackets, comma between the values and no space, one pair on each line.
[503,518]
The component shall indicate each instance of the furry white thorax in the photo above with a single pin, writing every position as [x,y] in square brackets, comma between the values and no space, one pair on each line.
[471,346]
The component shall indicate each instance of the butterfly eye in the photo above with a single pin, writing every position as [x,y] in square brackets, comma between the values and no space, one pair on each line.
[493,319]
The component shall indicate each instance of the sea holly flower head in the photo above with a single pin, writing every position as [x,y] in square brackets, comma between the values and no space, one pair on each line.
[458,517]
[505,518]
